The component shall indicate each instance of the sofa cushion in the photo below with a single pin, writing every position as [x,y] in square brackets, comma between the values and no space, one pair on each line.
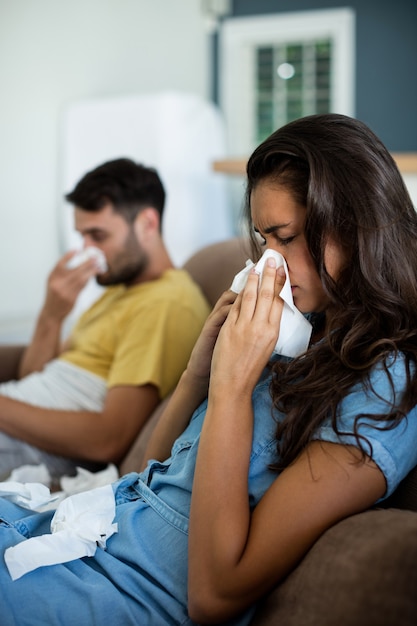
[214,266]
[361,572]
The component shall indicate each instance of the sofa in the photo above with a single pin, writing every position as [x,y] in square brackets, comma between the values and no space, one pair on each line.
[363,570]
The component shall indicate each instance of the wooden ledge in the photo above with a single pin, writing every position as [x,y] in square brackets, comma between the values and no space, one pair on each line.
[406,161]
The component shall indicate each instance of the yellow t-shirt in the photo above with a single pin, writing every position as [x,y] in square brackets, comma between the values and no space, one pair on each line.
[141,334]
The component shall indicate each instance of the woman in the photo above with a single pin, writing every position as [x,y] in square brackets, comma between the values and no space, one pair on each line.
[281,449]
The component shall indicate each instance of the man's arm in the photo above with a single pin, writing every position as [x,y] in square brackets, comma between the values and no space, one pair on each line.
[102,437]
[63,288]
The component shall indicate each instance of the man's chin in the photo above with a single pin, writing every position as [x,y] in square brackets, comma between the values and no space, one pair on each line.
[108,280]
[104,280]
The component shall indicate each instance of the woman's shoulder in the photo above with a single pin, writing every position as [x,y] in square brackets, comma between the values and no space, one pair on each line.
[365,420]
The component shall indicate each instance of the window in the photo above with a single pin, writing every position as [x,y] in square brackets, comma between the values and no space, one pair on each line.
[279,67]
[292,80]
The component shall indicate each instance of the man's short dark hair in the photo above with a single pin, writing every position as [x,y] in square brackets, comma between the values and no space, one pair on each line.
[128,186]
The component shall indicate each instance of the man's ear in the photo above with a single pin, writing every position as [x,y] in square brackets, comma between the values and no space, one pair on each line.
[147,222]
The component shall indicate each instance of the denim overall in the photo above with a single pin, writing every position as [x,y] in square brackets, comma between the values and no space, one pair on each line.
[141,576]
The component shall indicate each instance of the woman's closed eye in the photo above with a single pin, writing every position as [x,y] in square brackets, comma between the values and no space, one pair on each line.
[275,240]
[284,241]
[273,237]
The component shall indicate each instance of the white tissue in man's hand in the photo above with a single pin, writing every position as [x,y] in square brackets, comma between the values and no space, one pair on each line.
[295,329]
[91,252]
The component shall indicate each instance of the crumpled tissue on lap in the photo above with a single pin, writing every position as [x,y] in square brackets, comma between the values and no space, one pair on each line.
[29,495]
[81,523]
[38,498]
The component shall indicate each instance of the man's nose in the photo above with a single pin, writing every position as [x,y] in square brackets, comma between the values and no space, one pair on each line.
[87,241]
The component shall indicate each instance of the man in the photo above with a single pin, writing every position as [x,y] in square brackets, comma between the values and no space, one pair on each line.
[83,403]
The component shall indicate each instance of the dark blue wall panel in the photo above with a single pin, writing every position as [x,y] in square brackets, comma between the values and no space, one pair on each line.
[386,61]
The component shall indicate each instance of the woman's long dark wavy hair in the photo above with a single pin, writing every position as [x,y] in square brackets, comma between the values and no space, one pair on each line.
[355,196]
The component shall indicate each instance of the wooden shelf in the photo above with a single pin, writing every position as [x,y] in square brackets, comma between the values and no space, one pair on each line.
[406,161]
[230,166]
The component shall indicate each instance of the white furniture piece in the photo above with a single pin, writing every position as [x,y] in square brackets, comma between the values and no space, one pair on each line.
[180,134]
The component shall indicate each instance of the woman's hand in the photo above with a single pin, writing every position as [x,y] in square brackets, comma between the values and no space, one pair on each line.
[249,334]
[193,385]
[199,364]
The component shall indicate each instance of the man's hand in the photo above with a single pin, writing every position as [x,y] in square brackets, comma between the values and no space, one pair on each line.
[63,287]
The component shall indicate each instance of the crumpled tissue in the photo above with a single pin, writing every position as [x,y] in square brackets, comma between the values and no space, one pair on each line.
[37,498]
[295,329]
[81,522]
[84,479]
[31,474]
[33,496]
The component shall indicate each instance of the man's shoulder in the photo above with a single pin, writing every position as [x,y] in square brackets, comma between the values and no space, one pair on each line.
[179,279]
[174,282]
[174,290]
[183,287]
[175,286]
[103,300]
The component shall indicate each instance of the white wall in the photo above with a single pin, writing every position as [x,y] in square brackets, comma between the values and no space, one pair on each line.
[53,52]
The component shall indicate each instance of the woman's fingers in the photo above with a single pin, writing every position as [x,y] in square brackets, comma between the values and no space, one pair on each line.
[251,329]
[273,280]
[261,294]
[254,319]
[246,301]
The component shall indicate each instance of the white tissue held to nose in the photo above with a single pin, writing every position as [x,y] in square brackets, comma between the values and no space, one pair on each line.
[91,252]
[295,329]
[241,278]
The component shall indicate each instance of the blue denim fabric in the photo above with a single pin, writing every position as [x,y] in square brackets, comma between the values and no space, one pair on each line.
[141,577]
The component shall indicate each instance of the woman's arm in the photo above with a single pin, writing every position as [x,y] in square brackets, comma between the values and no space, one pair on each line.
[236,557]
[192,387]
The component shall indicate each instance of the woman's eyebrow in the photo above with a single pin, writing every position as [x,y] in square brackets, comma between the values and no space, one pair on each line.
[272,229]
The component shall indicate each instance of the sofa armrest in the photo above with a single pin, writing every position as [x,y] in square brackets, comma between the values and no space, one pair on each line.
[9,361]
[361,572]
